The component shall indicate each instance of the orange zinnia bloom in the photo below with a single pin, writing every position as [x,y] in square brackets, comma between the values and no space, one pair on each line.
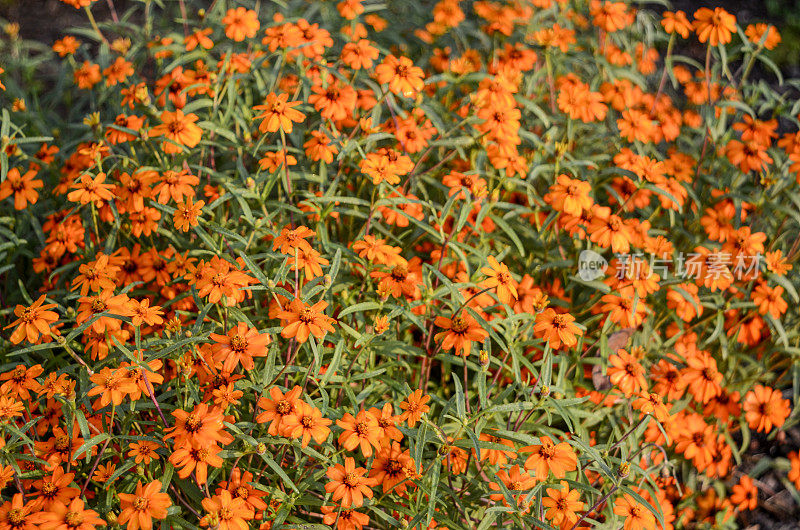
[22,187]
[91,189]
[461,331]
[72,516]
[500,277]
[239,346]
[414,406]
[32,322]
[179,129]
[17,514]
[200,428]
[226,512]
[676,23]
[55,488]
[714,26]
[143,452]
[701,376]
[557,328]
[186,214]
[301,320]
[278,113]
[148,503]
[241,24]
[348,484]
[111,385]
[637,517]
[569,195]
[744,495]
[360,431]
[626,373]
[401,75]
[277,407]
[549,457]
[562,505]
[765,408]
[306,423]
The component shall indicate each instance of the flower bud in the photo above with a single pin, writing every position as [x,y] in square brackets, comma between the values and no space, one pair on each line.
[261,448]
[483,357]
[624,470]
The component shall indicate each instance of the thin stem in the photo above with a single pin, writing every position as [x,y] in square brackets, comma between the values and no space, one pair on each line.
[93,22]
[597,504]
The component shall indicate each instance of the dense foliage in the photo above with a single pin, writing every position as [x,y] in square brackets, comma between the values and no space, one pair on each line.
[293,264]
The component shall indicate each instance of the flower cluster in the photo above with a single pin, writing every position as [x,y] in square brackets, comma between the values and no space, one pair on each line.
[316,264]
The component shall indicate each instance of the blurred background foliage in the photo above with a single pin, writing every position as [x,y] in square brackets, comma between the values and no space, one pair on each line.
[47,20]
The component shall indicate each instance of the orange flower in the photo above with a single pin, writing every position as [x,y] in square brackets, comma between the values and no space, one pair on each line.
[714,27]
[765,408]
[87,75]
[17,514]
[277,407]
[768,34]
[401,75]
[199,38]
[610,16]
[72,516]
[562,505]
[359,54]
[148,503]
[652,404]
[21,380]
[794,469]
[377,251]
[461,331]
[143,452]
[226,512]
[549,457]
[676,23]
[22,187]
[518,483]
[118,71]
[186,214]
[143,313]
[335,101]
[319,147]
[200,428]
[360,431]
[32,322]
[348,484]
[239,346]
[557,328]
[241,24]
[306,423]
[637,517]
[414,406]
[745,494]
[701,376]
[278,113]
[190,460]
[111,385]
[569,195]
[178,129]
[626,373]
[348,519]
[66,46]
[498,276]
[769,300]
[300,320]
[104,302]
[91,189]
